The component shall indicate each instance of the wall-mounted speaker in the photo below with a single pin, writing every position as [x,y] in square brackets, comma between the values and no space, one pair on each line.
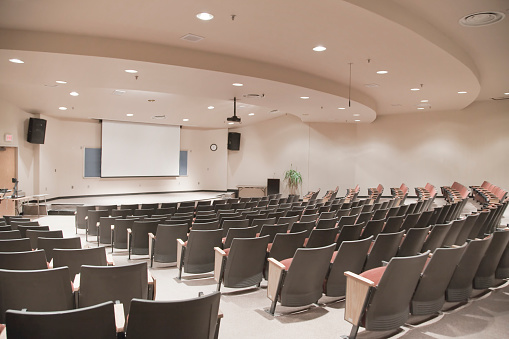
[272,186]
[233,141]
[36,131]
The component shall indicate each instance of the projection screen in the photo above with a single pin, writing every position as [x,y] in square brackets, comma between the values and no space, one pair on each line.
[139,150]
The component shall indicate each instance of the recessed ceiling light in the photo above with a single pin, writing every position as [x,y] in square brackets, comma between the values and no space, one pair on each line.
[61,82]
[62,108]
[382,72]
[132,71]
[341,108]
[130,114]
[420,107]
[151,100]
[373,85]
[205,16]
[415,89]
[251,114]
[357,120]
[319,48]
[185,119]
[74,94]
[356,115]
[17,61]
[159,117]
[424,100]
[210,107]
[304,97]
[506,93]
[238,84]
[230,123]
[462,92]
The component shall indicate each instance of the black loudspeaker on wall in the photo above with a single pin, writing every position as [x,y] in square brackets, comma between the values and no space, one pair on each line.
[36,131]
[272,186]
[233,141]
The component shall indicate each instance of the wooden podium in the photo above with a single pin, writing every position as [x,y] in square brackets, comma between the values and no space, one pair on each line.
[7,206]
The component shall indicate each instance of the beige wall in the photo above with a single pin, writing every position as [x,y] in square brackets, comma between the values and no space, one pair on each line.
[468,146]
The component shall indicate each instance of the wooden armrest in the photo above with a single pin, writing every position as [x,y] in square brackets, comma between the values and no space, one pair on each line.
[119,317]
[76,282]
[129,232]
[109,260]
[276,270]
[180,247]
[151,238]
[219,254]
[3,334]
[50,264]
[357,289]
[220,314]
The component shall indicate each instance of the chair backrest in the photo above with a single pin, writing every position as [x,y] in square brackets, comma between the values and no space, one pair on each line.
[93,219]
[372,228]
[108,208]
[285,245]
[385,247]
[81,214]
[303,283]
[165,249]
[393,212]
[380,214]
[272,230]
[140,231]
[349,233]
[245,263]
[227,224]
[30,260]
[121,213]
[34,234]
[502,271]
[410,221]
[35,290]
[245,232]
[199,253]
[460,286]
[389,306]
[24,228]
[466,229]
[322,237]
[130,207]
[436,237]
[393,224]
[263,221]
[6,235]
[290,220]
[350,256]
[15,222]
[477,229]
[110,283]
[429,296]
[347,220]
[303,226]
[424,219]
[75,258]
[48,244]
[355,210]
[413,241]
[120,232]
[485,275]
[96,321]
[191,318]
[342,212]
[209,225]
[402,210]
[15,245]
[152,206]
[364,217]
[4,228]
[326,223]
[454,231]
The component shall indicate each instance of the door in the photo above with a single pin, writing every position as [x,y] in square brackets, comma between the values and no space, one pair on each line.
[8,156]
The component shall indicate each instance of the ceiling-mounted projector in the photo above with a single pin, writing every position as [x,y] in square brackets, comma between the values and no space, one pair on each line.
[234,118]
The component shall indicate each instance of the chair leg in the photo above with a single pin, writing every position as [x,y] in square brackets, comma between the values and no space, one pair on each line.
[353,333]
[152,253]
[130,244]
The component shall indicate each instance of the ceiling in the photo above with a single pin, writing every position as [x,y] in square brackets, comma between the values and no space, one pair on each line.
[266,45]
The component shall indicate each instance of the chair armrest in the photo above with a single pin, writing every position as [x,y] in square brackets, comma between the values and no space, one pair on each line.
[151,281]
[109,260]
[3,334]
[357,292]
[219,255]
[180,248]
[76,282]
[276,270]
[50,264]
[151,239]
[129,233]
[119,317]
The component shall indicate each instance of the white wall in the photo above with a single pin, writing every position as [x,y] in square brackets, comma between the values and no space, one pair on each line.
[468,146]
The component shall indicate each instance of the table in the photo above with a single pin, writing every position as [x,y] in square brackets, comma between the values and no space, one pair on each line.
[252,191]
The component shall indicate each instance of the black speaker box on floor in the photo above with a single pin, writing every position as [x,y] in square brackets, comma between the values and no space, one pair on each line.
[36,131]
[233,141]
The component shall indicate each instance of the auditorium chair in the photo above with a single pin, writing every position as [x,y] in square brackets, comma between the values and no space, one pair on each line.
[372,228]
[15,245]
[34,234]
[321,237]
[245,232]
[393,224]
[6,235]
[384,248]
[272,230]
[75,258]
[23,229]
[30,260]
[163,246]
[196,255]
[413,240]
[137,239]
[485,276]
[436,237]
[48,244]
[349,233]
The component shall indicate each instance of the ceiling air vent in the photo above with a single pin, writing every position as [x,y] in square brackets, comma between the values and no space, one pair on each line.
[481,19]
[253,96]
[192,37]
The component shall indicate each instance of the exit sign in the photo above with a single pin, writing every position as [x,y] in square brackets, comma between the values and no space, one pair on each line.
[8,137]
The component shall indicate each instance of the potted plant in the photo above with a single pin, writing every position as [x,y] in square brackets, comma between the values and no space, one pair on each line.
[293,179]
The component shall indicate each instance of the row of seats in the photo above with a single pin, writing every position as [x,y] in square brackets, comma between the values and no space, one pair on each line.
[488,193]
[400,192]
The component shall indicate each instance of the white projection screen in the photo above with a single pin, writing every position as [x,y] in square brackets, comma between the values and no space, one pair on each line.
[139,150]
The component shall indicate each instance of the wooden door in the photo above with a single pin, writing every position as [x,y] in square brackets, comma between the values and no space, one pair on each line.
[8,156]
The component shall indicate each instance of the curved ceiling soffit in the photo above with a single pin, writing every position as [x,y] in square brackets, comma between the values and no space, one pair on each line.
[174,56]
[418,25]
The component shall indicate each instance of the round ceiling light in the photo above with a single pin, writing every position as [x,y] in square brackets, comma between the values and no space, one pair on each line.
[17,61]
[238,84]
[382,72]
[205,16]
[210,107]
[62,108]
[74,94]
[61,82]
[319,48]
[132,71]
[481,19]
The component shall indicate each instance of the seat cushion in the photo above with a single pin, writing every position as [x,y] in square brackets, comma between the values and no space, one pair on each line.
[227,251]
[374,274]
[287,263]
[269,247]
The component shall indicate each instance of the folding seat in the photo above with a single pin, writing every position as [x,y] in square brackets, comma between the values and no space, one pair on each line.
[34,235]
[169,205]
[186,209]
[342,213]
[452,234]
[384,248]
[119,236]
[466,229]
[80,218]
[393,224]
[98,284]
[476,230]
[276,215]
[350,256]
[436,237]
[164,211]
[23,229]
[284,246]
[393,212]
[355,210]
[298,281]
[460,286]
[246,232]
[121,213]
[413,241]
[132,207]
[502,271]
[242,264]
[402,211]
[410,209]
[380,214]
[206,224]
[138,240]
[106,226]
[303,226]
[48,244]
[410,221]
[349,233]
[321,237]
[93,222]
[108,208]
[424,219]
[326,223]
[35,290]
[367,208]
[147,212]
[372,228]
[15,245]
[485,276]
[327,215]
[197,254]
[9,219]
[347,220]
[75,258]
[429,296]
[272,230]
[96,321]
[191,318]
[163,246]
[227,224]
[6,235]
[290,220]
[151,206]
[15,222]
[263,221]
[442,218]
[379,299]
[434,216]
[30,260]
